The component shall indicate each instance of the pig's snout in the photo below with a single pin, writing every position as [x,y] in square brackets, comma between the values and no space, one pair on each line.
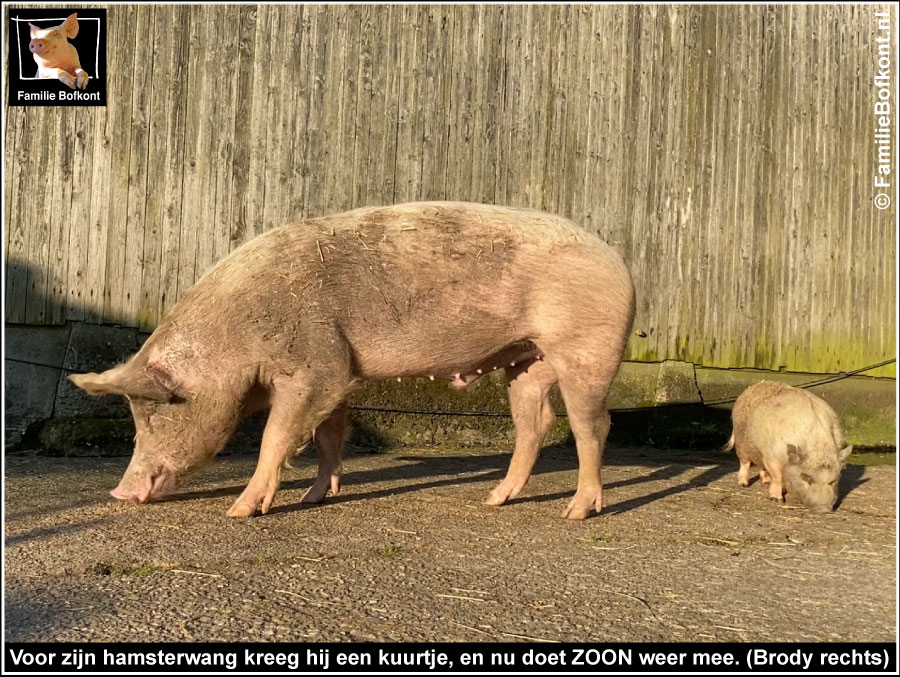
[151,488]
[36,46]
[822,508]
[120,493]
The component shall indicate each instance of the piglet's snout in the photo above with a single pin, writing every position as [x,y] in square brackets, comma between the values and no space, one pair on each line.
[820,509]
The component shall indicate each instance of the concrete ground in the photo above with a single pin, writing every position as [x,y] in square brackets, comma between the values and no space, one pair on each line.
[408,552]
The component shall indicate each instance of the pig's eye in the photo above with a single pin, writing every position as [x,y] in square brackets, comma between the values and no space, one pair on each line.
[806,478]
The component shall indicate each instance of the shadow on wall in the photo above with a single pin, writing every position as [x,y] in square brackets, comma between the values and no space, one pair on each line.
[38,356]
[45,411]
[693,427]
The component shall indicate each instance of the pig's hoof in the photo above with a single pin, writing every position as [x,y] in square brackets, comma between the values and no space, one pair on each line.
[241,510]
[253,499]
[67,80]
[503,492]
[583,503]
[315,494]
[743,481]
[319,490]
[495,499]
[81,80]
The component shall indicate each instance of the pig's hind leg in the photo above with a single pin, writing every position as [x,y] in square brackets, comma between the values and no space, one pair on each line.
[744,471]
[297,408]
[529,401]
[329,442]
[584,380]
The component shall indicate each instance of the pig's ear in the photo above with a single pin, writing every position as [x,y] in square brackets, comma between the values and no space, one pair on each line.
[795,454]
[150,383]
[160,381]
[34,29]
[111,381]
[71,26]
[844,453]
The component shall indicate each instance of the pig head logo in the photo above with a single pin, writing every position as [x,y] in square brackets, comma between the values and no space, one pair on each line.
[55,56]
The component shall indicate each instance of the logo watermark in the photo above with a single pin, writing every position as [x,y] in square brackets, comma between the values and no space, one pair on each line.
[57,57]
[883,112]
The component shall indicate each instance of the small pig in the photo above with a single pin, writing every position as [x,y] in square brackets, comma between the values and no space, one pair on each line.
[795,439]
[301,316]
[55,56]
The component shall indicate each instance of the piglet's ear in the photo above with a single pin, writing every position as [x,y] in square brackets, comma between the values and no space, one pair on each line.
[71,26]
[795,454]
[148,382]
[844,453]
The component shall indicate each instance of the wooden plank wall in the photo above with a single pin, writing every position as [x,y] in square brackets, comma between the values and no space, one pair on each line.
[727,150]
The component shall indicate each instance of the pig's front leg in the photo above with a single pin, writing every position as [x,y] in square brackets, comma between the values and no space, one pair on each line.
[58,74]
[296,410]
[776,487]
[329,441]
[81,79]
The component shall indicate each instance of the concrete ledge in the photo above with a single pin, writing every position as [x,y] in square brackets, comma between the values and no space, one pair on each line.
[36,394]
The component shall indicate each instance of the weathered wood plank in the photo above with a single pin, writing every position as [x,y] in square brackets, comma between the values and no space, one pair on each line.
[222,123]
[258,128]
[408,168]
[120,52]
[367,19]
[435,101]
[37,252]
[196,248]
[138,167]
[79,226]
[246,95]
[161,235]
[316,126]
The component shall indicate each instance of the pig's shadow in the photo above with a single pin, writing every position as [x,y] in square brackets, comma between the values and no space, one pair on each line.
[666,472]
[490,468]
[455,470]
[851,478]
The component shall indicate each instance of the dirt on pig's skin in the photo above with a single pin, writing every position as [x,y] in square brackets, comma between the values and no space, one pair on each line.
[408,552]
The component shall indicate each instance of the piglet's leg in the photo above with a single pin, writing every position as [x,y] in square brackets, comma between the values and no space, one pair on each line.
[776,488]
[744,473]
[296,410]
[329,442]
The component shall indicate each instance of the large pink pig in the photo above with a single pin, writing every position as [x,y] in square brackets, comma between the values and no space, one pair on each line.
[298,318]
[55,56]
